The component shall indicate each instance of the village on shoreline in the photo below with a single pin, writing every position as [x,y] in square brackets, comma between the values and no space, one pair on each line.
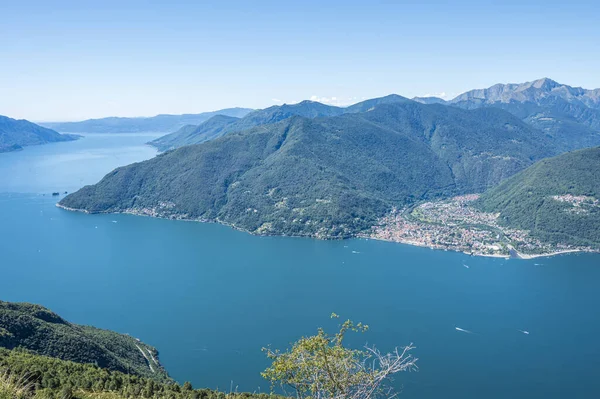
[455,224]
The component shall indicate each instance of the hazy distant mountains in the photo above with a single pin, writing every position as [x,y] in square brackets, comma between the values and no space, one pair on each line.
[325,176]
[16,134]
[159,123]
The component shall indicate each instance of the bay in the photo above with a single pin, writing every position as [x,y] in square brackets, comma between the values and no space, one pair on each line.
[209,297]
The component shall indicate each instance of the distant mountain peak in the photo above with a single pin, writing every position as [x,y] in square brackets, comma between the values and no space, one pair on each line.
[393,97]
[535,91]
[545,84]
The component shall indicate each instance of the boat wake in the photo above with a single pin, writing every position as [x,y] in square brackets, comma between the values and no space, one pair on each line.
[463,330]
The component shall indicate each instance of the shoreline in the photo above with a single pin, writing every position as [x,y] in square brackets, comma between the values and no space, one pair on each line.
[219,222]
[363,236]
[549,255]
[520,255]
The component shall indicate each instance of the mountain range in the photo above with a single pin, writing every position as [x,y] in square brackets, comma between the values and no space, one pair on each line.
[219,125]
[16,134]
[329,176]
[536,91]
[569,116]
[159,123]
[309,169]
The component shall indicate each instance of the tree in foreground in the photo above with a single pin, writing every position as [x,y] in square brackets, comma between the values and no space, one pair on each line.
[321,367]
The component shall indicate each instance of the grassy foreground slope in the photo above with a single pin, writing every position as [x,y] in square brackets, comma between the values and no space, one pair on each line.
[323,177]
[556,199]
[37,329]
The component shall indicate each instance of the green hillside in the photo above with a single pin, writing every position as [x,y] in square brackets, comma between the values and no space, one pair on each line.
[43,332]
[323,177]
[556,199]
[28,376]
[16,134]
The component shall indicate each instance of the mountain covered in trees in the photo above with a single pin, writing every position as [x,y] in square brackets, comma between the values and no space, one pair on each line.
[568,115]
[16,134]
[159,123]
[325,176]
[557,199]
[40,331]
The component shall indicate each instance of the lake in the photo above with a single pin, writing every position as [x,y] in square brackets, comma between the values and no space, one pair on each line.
[209,297]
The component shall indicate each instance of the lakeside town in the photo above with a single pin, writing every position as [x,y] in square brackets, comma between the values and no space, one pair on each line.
[455,224]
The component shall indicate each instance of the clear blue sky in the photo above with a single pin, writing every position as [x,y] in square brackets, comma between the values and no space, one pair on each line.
[71,60]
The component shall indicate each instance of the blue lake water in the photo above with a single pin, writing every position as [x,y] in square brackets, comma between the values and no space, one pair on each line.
[209,297]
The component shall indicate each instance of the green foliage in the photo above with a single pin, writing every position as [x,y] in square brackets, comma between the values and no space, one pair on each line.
[15,134]
[37,329]
[525,200]
[38,377]
[329,177]
[320,366]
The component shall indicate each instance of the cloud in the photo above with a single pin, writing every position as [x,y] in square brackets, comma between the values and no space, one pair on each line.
[276,100]
[337,101]
[439,95]
[442,95]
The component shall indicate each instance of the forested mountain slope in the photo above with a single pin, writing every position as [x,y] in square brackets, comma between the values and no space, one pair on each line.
[557,199]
